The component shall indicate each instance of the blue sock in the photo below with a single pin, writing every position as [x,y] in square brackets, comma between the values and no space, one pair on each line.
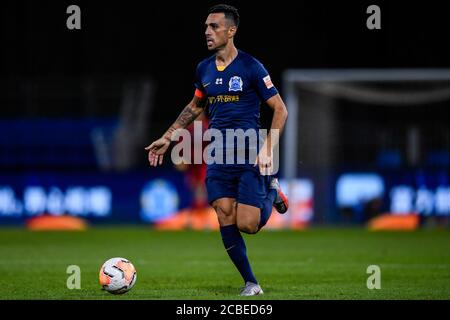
[266,210]
[235,246]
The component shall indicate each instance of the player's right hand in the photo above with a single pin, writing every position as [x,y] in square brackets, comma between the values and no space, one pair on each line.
[156,151]
[264,161]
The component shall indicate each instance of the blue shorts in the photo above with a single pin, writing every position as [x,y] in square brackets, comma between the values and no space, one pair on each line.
[244,183]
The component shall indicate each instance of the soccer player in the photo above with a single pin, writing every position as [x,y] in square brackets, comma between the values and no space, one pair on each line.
[230,86]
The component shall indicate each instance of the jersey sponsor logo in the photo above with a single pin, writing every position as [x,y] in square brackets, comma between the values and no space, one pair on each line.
[235,84]
[268,82]
[223,99]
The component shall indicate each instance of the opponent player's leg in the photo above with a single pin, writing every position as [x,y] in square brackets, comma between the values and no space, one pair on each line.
[232,238]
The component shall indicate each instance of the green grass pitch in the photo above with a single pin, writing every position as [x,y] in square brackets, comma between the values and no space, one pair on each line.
[312,264]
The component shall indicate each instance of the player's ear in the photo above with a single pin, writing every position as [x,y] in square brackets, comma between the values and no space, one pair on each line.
[232,31]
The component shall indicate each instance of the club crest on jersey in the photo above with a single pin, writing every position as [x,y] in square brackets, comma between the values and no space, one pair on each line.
[235,84]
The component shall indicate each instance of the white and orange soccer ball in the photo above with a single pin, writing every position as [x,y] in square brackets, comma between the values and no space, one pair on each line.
[117,275]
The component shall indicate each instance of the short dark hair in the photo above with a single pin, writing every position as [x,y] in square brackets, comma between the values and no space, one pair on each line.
[231,13]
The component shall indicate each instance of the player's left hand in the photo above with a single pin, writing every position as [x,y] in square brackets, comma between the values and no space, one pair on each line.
[264,161]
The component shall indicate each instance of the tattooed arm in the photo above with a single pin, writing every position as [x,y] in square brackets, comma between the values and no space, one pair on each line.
[157,149]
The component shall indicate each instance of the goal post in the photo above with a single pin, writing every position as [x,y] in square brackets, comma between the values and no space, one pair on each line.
[292,79]
[350,84]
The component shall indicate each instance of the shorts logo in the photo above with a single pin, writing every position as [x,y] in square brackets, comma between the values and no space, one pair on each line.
[268,82]
[235,84]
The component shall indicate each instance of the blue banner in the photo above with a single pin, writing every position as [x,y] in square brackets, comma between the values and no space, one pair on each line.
[99,197]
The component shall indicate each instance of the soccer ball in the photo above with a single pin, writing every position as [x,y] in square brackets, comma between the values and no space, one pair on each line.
[117,275]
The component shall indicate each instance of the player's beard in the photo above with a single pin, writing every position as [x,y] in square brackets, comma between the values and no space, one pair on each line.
[218,47]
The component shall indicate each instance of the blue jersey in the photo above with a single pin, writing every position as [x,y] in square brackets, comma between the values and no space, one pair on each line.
[234,95]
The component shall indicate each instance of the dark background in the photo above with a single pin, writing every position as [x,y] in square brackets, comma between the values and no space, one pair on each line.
[164,40]
[58,87]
